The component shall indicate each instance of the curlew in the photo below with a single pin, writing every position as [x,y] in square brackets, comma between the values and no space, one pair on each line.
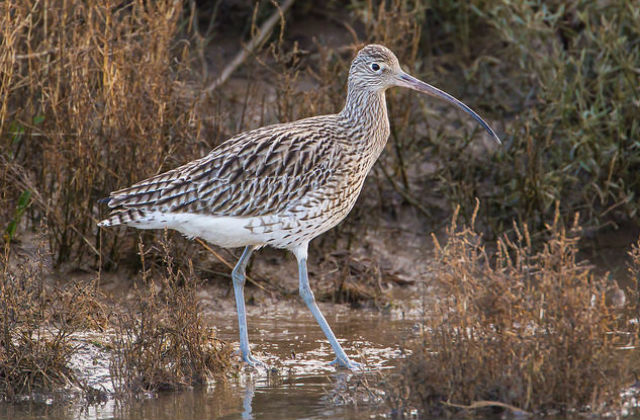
[280,185]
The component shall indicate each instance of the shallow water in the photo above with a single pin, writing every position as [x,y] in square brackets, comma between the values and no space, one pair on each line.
[286,337]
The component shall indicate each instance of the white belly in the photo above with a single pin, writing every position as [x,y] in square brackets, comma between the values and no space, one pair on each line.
[232,232]
[224,231]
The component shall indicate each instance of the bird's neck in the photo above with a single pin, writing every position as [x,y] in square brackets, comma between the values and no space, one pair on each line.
[366,113]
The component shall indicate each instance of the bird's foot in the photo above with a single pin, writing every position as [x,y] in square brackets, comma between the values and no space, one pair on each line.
[348,363]
[252,361]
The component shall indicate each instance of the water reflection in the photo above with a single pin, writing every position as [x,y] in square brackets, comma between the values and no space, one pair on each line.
[247,402]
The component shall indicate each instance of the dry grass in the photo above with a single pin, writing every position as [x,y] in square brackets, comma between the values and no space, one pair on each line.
[90,101]
[37,321]
[92,97]
[632,292]
[525,329]
[161,341]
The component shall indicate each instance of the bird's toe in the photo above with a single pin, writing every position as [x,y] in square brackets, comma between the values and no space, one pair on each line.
[254,362]
[348,364]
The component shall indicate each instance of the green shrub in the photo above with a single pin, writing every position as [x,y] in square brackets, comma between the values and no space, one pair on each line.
[562,79]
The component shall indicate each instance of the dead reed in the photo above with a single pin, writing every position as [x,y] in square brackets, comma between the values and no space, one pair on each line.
[89,101]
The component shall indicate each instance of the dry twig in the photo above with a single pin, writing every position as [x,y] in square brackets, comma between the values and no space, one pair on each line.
[248,49]
[225,262]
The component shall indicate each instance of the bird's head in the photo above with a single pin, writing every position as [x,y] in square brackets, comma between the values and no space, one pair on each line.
[376,68]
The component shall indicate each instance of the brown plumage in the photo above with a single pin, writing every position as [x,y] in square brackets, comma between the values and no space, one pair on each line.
[280,185]
[259,172]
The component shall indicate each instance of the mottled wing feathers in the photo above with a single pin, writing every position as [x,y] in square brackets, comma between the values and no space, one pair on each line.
[259,172]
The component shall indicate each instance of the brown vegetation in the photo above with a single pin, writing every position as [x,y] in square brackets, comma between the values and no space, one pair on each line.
[161,342]
[92,98]
[526,330]
[89,92]
[37,320]
[157,340]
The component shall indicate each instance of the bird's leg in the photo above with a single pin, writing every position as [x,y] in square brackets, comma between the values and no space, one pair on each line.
[307,295]
[238,276]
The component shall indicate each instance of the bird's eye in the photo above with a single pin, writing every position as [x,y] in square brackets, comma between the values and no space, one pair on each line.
[375,66]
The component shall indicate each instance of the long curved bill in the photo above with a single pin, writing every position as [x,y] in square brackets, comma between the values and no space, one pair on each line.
[412,83]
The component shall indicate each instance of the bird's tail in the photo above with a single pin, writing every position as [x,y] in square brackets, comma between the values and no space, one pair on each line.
[122,217]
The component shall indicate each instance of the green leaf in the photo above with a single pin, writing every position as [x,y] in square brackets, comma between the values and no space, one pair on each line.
[23,203]
[17,131]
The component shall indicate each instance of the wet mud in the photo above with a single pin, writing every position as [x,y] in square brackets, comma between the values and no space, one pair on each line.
[300,382]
